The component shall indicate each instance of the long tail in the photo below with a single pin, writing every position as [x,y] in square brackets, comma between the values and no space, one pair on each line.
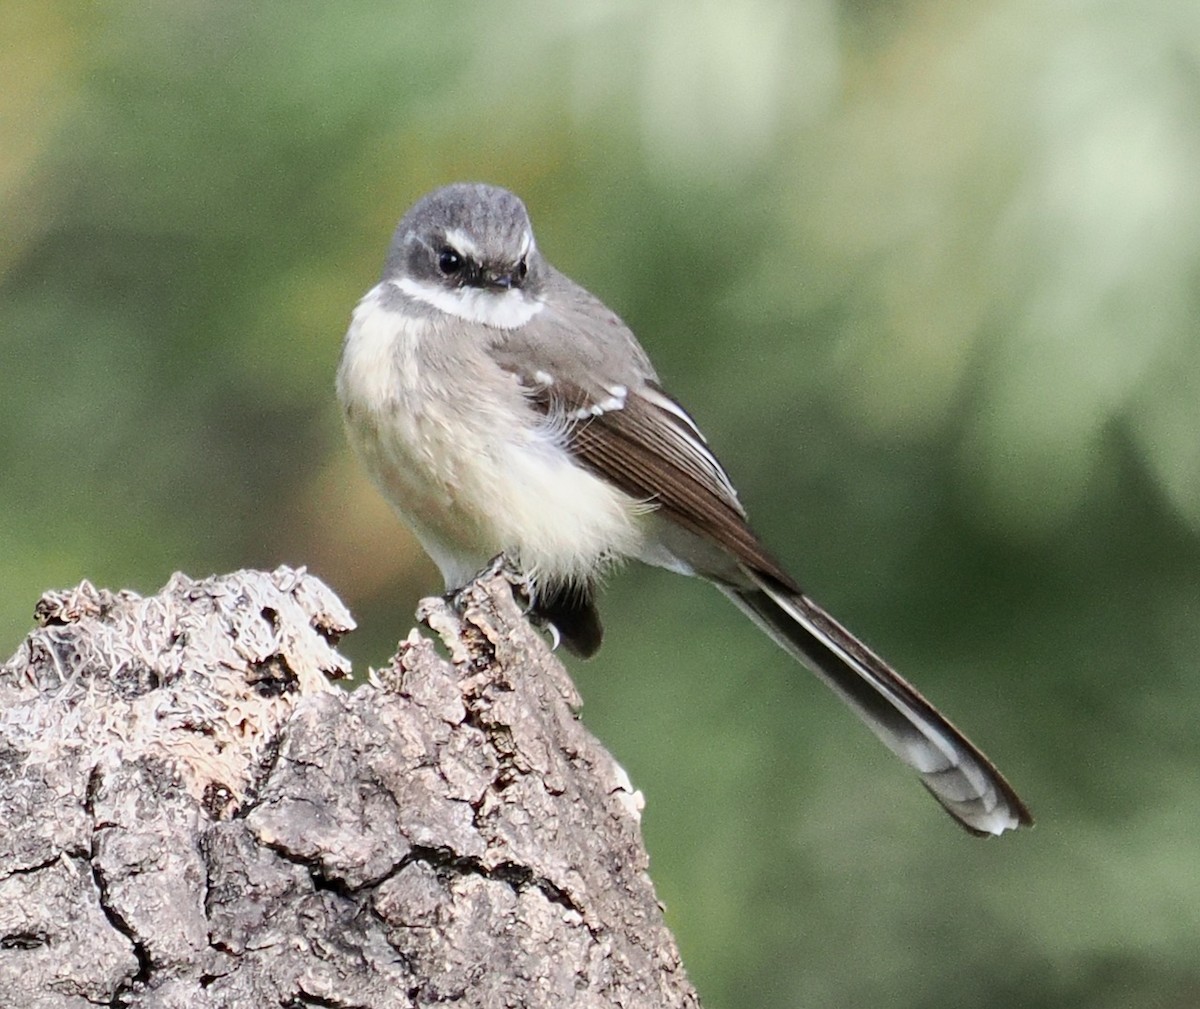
[954,771]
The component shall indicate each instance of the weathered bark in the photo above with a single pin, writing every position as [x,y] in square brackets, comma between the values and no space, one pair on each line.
[191,815]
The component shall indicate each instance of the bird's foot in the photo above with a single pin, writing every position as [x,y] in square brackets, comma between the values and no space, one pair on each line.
[524,590]
[524,594]
[522,584]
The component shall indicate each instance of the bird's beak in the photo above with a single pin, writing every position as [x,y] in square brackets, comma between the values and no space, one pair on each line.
[499,278]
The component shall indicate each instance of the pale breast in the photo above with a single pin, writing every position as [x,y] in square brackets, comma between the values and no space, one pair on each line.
[456,449]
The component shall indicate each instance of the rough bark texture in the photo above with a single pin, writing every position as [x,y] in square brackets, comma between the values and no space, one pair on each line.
[191,815]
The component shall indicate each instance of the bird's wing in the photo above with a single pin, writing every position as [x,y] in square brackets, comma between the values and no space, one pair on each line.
[617,421]
[626,429]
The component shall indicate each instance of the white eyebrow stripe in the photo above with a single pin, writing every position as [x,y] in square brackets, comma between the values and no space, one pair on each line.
[463,243]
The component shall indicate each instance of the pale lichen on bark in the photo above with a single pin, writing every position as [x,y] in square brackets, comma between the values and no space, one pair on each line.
[191,815]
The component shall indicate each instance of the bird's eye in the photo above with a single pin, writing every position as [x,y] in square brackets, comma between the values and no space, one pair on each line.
[522,269]
[449,261]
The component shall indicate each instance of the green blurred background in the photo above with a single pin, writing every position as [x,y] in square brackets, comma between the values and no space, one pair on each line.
[928,273]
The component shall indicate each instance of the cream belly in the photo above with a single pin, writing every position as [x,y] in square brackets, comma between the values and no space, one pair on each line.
[473,478]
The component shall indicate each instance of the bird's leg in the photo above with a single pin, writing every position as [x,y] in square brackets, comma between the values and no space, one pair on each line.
[524,590]
[525,594]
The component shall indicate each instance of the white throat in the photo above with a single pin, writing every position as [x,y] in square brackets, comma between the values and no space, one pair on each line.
[502,309]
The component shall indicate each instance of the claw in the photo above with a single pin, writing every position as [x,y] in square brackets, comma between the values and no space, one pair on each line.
[540,623]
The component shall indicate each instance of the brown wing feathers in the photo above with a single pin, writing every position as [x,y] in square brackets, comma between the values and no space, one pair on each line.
[648,447]
[644,450]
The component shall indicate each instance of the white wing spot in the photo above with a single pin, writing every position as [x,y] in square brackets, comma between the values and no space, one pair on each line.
[615,401]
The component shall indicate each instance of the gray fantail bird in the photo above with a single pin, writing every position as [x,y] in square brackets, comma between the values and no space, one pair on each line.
[502,409]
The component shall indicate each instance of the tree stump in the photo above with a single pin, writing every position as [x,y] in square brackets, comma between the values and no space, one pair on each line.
[191,814]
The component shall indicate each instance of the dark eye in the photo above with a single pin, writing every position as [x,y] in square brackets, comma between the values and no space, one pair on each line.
[522,269]
[449,261]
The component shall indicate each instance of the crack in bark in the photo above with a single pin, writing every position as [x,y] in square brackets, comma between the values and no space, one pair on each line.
[518,877]
[118,922]
[259,858]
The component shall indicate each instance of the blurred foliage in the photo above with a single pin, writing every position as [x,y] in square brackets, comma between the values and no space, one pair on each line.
[927,272]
